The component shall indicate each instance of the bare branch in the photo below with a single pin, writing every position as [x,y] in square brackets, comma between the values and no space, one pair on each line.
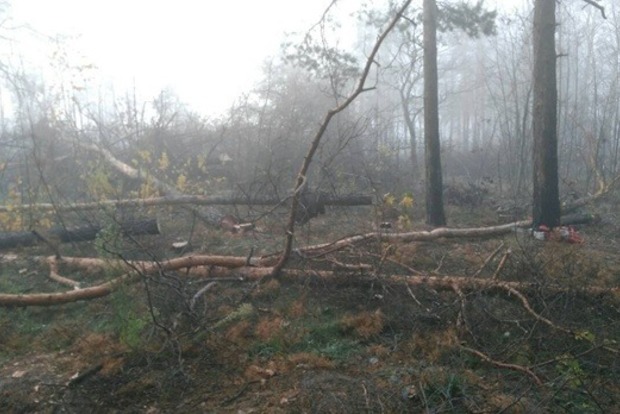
[488,259]
[501,264]
[499,364]
[301,176]
[598,6]
[228,267]
[197,295]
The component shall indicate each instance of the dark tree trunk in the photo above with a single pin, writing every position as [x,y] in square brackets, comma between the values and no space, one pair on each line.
[546,201]
[435,215]
[10,240]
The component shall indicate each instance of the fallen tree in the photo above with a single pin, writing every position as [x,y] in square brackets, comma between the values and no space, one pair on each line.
[10,240]
[238,268]
[603,190]
[255,268]
[208,215]
[441,232]
[183,199]
[313,204]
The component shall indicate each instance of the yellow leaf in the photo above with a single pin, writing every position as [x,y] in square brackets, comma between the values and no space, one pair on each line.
[407,201]
[181,182]
[164,162]
[389,199]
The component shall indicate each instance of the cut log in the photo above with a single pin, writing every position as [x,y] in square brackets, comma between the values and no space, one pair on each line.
[234,225]
[579,218]
[85,233]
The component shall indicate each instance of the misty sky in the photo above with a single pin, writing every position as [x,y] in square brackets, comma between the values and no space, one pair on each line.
[208,52]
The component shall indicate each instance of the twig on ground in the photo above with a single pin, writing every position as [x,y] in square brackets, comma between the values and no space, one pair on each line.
[462,318]
[414,297]
[84,375]
[488,259]
[440,265]
[339,264]
[401,264]
[387,251]
[501,264]
[239,393]
[536,315]
[197,295]
[565,357]
[499,364]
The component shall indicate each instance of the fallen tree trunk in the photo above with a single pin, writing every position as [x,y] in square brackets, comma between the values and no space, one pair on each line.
[345,200]
[136,269]
[579,218]
[605,189]
[208,215]
[259,267]
[29,238]
[441,232]
[202,266]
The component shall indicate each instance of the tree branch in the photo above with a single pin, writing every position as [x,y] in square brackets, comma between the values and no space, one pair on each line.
[228,267]
[598,6]
[513,367]
[301,176]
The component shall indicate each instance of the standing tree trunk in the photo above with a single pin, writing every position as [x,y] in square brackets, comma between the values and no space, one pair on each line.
[435,215]
[405,96]
[546,202]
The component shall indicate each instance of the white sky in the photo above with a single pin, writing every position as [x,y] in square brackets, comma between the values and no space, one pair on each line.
[207,51]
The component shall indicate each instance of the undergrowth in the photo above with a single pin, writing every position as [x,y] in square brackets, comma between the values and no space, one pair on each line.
[354,343]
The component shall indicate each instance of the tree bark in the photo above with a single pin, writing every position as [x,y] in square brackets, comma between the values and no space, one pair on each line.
[546,195]
[435,215]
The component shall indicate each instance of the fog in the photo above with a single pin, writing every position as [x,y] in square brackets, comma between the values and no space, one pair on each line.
[309,206]
[121,71]
[209,53]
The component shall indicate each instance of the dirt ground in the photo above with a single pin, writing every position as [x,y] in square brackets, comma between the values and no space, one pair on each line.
[356,342]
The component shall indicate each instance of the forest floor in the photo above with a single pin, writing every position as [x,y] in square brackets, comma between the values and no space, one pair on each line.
[348,344]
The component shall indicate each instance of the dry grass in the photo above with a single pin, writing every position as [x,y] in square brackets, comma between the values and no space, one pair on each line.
[94,345]
[239,332]
[307,360]
[349,344]
[298,308]
[431,346]
[365,324]
[269,327]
